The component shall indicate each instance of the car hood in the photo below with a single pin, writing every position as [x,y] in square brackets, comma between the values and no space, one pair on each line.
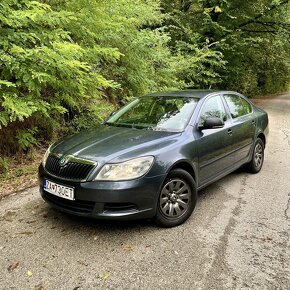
[106,143]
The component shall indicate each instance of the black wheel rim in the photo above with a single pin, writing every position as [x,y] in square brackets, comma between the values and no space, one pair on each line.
[175,198]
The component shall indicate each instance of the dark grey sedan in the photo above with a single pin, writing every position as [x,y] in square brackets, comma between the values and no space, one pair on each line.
[149,159]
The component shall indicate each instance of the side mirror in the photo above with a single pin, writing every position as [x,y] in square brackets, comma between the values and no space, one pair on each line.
[212,123]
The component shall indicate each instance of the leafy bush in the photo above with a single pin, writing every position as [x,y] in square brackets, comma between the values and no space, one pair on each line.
[59,58]
[26,138]
[65,64]
[42,70]
[247,43]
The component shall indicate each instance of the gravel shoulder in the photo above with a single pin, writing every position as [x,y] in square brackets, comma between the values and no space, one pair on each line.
[237,238]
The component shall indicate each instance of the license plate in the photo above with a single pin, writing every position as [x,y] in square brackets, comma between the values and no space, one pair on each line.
[58,190]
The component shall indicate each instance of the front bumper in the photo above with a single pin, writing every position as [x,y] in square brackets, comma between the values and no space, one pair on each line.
[123,200]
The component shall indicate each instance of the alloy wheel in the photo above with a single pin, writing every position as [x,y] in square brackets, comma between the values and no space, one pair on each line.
[175,198]
[258,155]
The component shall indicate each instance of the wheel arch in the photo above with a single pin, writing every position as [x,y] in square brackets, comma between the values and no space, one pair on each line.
[262,137]
[185,165]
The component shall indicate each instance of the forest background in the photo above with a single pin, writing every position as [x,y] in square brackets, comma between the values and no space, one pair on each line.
[66,64]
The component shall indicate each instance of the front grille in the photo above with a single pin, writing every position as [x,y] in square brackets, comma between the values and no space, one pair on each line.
[76,206]
[71,170]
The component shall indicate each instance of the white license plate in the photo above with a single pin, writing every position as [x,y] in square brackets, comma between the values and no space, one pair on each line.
[58,190]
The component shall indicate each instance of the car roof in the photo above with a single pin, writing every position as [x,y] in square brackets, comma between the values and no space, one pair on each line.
[187,93]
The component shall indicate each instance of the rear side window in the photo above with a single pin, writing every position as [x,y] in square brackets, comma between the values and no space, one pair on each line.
[238,106]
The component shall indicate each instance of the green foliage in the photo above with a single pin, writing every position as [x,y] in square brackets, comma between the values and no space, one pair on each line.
[91,117]
[251,37]
[65,64]
[143,61]
[4,165]
[26,138]
[42,69]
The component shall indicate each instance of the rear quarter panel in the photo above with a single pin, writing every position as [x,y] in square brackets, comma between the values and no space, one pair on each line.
[262,122]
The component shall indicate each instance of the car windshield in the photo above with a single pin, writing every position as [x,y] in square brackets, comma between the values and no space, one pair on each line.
[156,113]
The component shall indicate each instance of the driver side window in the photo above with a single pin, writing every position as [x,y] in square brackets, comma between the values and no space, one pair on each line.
[213,108]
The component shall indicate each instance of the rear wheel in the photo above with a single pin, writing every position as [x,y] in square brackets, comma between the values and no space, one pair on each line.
[177,199]
[257,160]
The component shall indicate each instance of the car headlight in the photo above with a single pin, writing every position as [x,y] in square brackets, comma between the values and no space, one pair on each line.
[45,156]
[131,169]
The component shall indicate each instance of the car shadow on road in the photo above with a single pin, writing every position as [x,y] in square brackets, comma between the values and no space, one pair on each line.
[54,218]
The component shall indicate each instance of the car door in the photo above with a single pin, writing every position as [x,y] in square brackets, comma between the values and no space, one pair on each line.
[213,145]
[243,126]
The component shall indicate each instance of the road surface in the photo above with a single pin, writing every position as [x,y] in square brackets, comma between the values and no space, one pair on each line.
[237,238]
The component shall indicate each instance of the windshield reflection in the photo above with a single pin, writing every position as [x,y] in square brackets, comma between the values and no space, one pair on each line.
[155,113]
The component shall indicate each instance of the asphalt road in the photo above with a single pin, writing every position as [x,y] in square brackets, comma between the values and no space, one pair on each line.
[237,238]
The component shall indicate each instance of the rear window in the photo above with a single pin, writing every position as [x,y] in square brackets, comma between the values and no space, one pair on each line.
[238,106]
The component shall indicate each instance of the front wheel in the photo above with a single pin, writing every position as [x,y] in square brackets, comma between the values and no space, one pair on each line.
[256,163]
[177,199]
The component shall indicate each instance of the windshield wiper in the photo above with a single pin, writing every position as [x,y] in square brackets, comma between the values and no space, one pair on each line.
[157,129]
[119,125]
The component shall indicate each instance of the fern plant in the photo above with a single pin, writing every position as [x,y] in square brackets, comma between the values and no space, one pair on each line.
[26,138]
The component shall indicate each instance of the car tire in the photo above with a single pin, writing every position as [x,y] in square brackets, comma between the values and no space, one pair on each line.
[256,163]
[176,200]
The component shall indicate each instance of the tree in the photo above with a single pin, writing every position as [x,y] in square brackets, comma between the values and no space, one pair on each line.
[63,61]
[252,36]
[65,64]
[43,71]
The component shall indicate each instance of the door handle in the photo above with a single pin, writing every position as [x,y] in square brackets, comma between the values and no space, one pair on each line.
[253,122]
[230,132]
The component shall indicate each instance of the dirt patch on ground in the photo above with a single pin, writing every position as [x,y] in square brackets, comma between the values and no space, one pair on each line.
[21,173]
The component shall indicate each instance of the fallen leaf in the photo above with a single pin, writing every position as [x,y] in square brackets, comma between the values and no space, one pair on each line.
[29,273]
[40,286]
[29,206]
[128,247]
[28,233]
[31,222]
[13,266]
[105,276]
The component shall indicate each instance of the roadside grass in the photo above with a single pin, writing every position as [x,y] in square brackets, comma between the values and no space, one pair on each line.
[21,172]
